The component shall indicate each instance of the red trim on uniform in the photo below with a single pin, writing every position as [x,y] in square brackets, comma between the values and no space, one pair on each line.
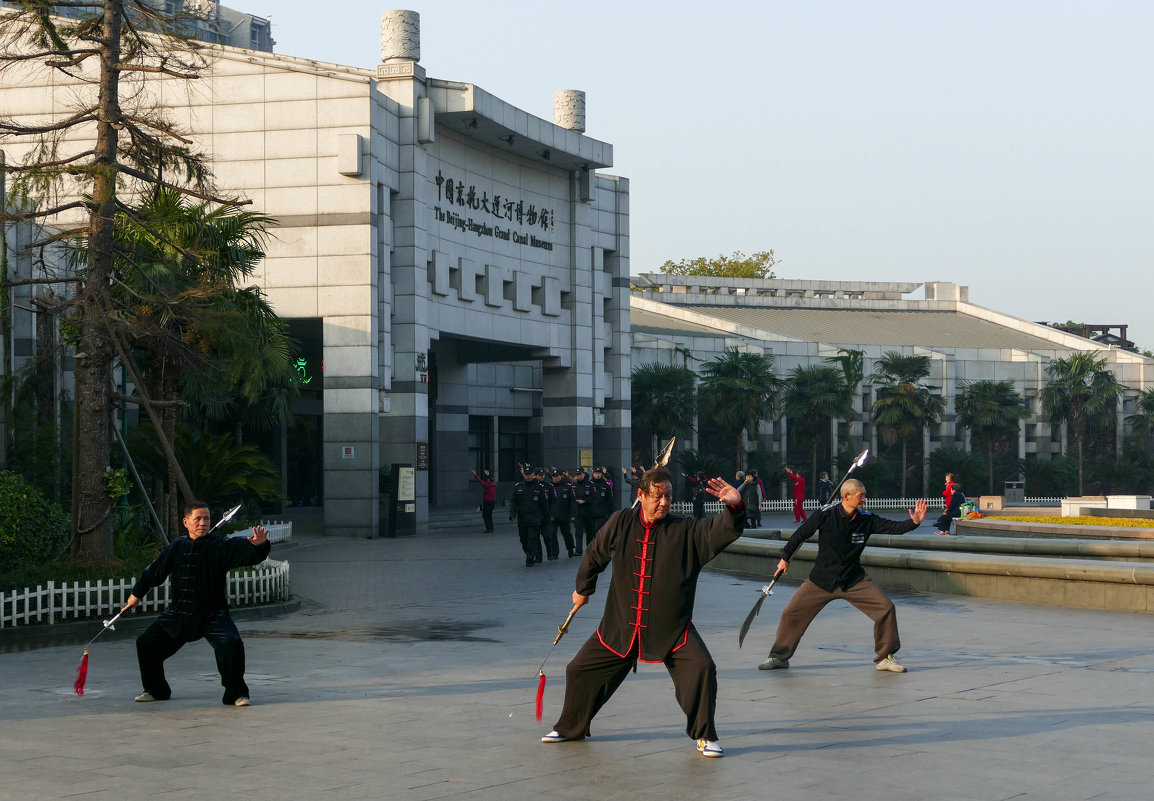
[684,638]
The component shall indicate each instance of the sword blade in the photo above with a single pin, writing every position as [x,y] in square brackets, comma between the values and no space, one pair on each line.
[753,613]
[749,618]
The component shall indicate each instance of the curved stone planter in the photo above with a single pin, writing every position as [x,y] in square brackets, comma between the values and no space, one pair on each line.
[1086,583]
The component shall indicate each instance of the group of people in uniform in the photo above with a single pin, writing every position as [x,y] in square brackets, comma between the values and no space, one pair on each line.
[575,505]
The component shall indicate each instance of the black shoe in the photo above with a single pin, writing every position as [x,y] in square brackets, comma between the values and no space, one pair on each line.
[571,553]
[528,562]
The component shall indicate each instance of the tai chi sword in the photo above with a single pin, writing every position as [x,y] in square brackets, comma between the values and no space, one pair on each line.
[766,591]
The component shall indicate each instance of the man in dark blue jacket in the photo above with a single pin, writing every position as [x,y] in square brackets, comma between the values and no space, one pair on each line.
[843,531]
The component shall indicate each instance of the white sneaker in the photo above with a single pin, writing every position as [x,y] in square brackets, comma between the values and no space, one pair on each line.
[144,697]
[554,737]
[242,701]
[710,748]
[890,664]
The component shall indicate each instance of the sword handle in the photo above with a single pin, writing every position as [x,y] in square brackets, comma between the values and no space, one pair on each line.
[564,627]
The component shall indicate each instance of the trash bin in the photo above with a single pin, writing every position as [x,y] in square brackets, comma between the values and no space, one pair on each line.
[1015,493]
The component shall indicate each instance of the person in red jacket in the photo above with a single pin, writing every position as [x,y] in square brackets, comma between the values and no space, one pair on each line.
[798,495]
[948,492]
[488,498]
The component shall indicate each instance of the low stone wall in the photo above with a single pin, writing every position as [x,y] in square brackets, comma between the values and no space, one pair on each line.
[1085,583]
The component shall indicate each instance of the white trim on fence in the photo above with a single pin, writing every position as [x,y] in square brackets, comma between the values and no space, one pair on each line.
[264,583]
[713,507]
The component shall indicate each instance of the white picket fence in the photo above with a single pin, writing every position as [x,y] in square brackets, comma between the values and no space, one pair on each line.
[267,582]
[278,531]
[713,507]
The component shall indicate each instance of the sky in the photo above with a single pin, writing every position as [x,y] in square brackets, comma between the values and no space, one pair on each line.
[1006,146]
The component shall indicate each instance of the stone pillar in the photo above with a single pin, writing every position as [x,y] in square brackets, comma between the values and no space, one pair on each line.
[402,79]
[400,36]
[569,109]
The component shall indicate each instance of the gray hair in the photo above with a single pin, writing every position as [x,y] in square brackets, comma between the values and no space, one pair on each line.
[740,475]
[851,486]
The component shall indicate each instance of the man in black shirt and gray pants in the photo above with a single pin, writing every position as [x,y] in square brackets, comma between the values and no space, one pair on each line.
[198,565]
[843,531]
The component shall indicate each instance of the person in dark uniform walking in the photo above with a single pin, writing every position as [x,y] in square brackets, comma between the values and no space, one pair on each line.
[583,492]
[602,504]
[548,529]
[529,506]
[562,514]
[198,566]
[656,560]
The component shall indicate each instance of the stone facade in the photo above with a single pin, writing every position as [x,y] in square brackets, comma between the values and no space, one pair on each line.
[466,263]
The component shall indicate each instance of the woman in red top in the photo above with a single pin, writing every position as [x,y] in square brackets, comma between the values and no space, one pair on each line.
[488,498]
[798,495]
[948,492]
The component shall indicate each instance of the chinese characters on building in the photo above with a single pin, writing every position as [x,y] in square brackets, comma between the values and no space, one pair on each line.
[454,193]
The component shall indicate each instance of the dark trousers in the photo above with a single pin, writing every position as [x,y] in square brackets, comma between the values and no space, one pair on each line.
[549,536]
[596,672]
[810,599]
[561,523]
[530,540]
[586,530]
[156,645]
[487,514]
[943,522]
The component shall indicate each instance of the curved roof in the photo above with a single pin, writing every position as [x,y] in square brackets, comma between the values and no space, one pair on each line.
[933,329]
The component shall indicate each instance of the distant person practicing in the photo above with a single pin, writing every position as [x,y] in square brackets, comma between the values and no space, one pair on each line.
[488,498]
[798,495]
[843,531]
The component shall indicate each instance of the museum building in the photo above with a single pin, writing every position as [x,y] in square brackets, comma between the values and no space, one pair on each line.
[455,268]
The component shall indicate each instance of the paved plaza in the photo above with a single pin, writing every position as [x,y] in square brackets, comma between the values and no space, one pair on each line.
[409,672]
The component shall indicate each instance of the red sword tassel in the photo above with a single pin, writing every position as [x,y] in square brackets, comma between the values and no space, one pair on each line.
[81,674]
[540,694]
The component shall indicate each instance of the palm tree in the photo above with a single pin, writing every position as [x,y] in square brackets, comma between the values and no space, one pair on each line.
[740,391]
[991,410]
[904,405]
[814,396]
[663,402]
[205,340]
[1082,392]
[1142,421]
